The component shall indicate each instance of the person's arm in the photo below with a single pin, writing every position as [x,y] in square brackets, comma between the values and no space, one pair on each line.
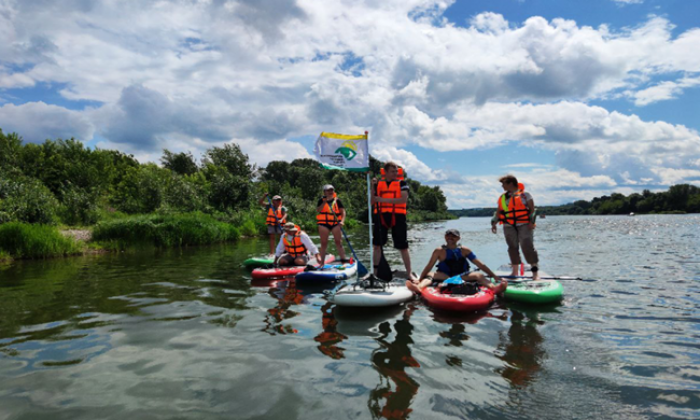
[280,249]
[262,200]
[531,207]
[342,216]
[319,208]
[494,221]
[470,255]
[310,246]
[283,219]
[433,259]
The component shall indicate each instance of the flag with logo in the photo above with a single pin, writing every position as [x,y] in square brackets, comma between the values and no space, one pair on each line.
[342,151]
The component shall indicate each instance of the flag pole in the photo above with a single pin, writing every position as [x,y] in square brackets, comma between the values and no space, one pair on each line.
[369,209]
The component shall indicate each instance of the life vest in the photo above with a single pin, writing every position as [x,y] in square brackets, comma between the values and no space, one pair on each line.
[326,217]
[513,211]
[294,247]
[271,220]
[454,263]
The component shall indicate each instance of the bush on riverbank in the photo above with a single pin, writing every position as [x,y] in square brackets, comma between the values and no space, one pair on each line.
[22,240]
[164,231]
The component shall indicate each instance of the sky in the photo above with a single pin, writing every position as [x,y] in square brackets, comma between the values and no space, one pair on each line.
[576,99]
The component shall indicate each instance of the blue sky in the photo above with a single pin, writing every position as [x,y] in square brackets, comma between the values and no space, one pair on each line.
[577,99]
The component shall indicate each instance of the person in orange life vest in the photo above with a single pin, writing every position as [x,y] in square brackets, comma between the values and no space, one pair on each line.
[516,212]
[327,205]
[294,247]
[390,198]
[272,226]
[452,261]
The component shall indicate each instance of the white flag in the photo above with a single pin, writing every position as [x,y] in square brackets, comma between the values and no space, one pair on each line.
[342,151]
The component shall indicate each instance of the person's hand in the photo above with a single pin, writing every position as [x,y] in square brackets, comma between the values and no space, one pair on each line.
[318,258]
[342,223]
[532,226]
[375,199]
[266,194]
[375,181]
[494,229]
[498,278]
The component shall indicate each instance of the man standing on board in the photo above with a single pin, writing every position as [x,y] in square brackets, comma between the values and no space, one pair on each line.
[391,196]
[516,212]
[276,218]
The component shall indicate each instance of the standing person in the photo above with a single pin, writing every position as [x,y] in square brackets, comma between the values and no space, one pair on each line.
[295,247]
[330,218]
[516,212]
[453,260]
[391,195]
[274,224]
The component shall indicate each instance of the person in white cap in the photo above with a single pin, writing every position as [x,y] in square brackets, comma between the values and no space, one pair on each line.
[453,260]
[330,218]
[276,218]
[295,246]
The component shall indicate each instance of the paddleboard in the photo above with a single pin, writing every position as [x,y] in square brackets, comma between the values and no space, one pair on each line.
[458,303]
[284,271]
[532,291]
[257,262]
[366,294]
[329,273]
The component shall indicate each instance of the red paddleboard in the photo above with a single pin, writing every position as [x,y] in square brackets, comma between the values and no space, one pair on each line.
[285,271]
[458,303]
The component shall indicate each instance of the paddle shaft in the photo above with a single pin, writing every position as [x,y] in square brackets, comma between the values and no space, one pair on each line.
[361,269]
[546,278]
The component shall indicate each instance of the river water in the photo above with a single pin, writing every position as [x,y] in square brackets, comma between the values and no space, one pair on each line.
[184,334]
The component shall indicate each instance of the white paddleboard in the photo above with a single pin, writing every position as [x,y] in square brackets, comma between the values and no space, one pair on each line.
[361,294]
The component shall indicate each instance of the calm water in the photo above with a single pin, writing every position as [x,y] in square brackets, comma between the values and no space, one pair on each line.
[184,334]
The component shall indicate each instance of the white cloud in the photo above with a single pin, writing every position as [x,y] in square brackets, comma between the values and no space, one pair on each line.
[199,73]
[626,2]
[37,121]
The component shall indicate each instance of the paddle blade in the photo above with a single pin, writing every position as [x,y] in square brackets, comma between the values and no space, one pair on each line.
[361,269]
[384,270]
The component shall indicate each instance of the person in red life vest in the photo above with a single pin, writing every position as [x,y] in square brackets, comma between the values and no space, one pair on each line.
[516,212]
[453,260]
[331,216]
[390,198]
[294,247]
[274,224]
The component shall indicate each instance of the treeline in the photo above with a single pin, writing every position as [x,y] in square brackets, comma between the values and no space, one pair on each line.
[679,199]
[64,182]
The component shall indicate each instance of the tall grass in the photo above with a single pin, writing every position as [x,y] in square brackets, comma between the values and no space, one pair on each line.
[22,240]
[163,231]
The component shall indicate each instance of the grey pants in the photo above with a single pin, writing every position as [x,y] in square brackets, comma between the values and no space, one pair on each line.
[520,236]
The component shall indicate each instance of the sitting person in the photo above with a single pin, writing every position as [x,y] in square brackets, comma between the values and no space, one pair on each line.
[453,260]
[294,247]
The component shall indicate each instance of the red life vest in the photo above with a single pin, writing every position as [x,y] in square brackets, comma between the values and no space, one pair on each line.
[271,220]
[294,247]
[513,211]
[325,216]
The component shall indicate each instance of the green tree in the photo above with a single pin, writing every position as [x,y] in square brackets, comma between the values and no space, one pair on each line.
[180,163]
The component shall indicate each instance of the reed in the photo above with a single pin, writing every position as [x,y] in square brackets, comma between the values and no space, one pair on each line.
[23,240]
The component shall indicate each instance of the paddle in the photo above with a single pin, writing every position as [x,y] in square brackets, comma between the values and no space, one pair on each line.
[528,278]
[361,269]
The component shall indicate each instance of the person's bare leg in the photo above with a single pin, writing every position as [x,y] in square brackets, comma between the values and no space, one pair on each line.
[272,243]
[406,257]
[338,238]
[377,258]
[323,233]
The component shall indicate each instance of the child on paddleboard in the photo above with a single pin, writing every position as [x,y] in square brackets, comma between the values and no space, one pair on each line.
[453,260]
[294,247]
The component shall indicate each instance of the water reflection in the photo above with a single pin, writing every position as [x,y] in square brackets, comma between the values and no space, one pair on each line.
[392,397]
[521,349]
[329,338]
[287,295]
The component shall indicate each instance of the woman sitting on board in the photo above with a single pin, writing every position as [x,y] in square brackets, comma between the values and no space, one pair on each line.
[330,218]
[452,259]
[294,247]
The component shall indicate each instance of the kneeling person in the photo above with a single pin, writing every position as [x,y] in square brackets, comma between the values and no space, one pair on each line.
[453,260]
[294,247]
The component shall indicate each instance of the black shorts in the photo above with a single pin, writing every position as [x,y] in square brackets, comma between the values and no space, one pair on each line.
[329,227]
[398,232]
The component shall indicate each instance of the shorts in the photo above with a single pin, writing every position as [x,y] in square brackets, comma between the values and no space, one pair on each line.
[274,229]
[329,227]
[304,257]
[398,232]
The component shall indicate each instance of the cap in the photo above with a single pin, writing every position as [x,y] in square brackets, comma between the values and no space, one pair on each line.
[290,226]
[328,187]
[454,232]
[277,197]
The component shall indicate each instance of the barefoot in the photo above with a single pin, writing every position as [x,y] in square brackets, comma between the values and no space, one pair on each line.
[412,287]
[500,288]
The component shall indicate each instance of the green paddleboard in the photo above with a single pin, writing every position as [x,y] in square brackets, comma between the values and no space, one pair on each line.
[257,262]
[535,292]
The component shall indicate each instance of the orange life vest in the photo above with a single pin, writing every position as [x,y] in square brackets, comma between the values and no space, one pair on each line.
[390,190]
[271,220]
[513,211]
[294,247]
[325,216]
